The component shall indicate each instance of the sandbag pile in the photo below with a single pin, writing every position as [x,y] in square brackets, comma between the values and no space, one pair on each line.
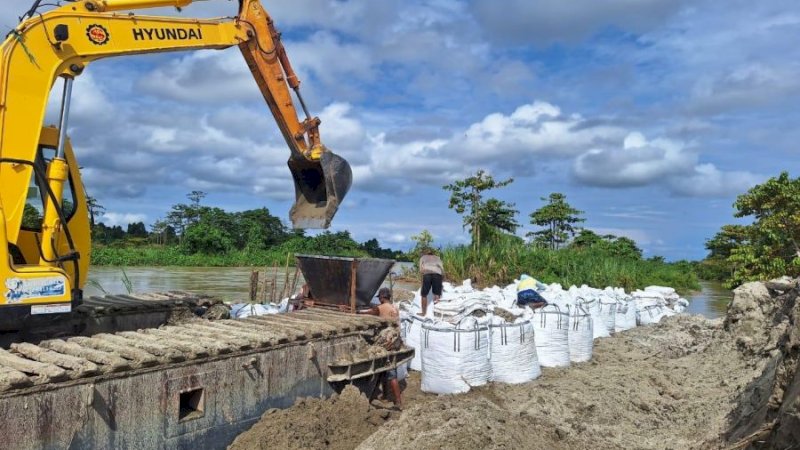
[472,336]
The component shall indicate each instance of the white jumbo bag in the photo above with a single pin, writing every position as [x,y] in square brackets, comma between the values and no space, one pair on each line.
[607,314]
[551,334]
[412,331]
[581,335]
[651,314]
[592,306]
[626,315]
[454,359]
[512,352]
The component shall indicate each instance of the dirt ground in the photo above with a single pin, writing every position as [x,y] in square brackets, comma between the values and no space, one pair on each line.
[685,383]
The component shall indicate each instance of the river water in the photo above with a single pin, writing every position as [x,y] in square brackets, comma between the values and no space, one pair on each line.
[232,284]
[711,301]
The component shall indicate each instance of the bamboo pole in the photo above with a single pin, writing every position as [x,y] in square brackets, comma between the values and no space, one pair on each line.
[286,277]
[274,278]
[253,286]
[264,286]
[294,281]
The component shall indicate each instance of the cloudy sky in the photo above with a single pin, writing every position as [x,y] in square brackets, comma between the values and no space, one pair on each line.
[651,115]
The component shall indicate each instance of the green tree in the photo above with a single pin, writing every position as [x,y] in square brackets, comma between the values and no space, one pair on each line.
[210,232]
[257,229]
[479,215]
[31,218]
[586,238]
[616,246]
[770,247]
[558,218]
[137,230]
[95,209]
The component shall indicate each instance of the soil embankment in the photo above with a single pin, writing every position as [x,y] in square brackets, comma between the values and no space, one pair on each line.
[685,383]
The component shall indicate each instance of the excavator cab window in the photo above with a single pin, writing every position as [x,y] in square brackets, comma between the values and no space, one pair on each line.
[34,204]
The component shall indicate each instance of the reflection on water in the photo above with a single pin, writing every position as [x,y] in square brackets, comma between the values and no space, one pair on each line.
[231,284]
[712,301]
[228,283]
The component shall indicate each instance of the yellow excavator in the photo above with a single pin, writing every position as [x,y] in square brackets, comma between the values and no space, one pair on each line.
[45,236]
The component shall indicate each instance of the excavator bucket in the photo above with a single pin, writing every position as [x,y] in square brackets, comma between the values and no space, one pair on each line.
[320,187]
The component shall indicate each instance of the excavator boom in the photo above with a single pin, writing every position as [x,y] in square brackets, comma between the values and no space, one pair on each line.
[44,265]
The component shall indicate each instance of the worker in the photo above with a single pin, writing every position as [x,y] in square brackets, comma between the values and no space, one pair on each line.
[527,293]
[432,271]
[389,311]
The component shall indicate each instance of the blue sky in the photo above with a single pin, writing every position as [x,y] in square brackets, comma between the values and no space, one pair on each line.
[651,115]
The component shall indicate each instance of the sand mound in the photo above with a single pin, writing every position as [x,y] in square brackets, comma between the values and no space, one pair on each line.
[652,387]
[765,318]
[336,423]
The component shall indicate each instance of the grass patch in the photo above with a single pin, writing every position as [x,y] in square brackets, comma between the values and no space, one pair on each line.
[503,262]
[156,255]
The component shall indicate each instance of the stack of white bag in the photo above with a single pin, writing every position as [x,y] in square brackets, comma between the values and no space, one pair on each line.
[608,312]
[626,314]
[592,306]
[512,351]
[581,336]
[551,333]
[454,358]
[656,302]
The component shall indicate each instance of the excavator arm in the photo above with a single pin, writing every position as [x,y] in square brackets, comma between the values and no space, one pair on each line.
[61,43]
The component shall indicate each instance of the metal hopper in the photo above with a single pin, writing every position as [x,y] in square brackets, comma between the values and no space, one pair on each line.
[336,281]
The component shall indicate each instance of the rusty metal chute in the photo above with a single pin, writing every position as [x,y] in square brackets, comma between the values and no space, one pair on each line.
[336,281]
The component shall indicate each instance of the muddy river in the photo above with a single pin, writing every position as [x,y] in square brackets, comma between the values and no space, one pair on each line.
[232,284]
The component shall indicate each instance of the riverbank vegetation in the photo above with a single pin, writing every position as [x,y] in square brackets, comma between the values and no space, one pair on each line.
[768,247]
[559,251]
[196,235]
[192,234]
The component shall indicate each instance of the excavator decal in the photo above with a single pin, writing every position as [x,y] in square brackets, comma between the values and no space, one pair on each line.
[97,34]
[166,34]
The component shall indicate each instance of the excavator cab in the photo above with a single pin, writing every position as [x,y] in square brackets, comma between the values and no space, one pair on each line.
[320,187]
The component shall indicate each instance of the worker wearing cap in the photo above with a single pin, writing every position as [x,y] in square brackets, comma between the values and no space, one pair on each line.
[527,292]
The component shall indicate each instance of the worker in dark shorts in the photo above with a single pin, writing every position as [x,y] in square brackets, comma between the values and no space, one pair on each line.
[527,293]
[432,271]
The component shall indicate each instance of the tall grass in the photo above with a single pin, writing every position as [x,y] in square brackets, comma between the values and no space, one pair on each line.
[502,262]
[155,255]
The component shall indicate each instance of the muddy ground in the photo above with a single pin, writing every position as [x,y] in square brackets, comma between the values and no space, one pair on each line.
[685,383]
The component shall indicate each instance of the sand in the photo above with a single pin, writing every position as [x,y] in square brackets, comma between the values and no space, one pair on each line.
[685,383]
[336,423]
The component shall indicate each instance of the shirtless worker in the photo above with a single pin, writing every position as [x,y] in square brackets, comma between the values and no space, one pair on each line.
[389,311]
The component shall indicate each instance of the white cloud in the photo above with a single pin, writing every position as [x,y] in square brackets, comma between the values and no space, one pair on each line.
[544,21]
[122,219]
[210,76]
[708,181]
[640,162]
[637,163]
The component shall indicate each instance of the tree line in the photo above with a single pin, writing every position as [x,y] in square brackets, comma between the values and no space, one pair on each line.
[490,220]
[195,228]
